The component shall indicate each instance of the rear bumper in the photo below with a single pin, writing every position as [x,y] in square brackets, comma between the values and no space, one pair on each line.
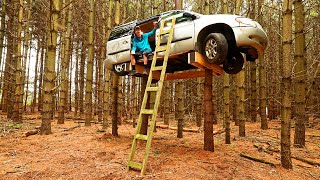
[251,37]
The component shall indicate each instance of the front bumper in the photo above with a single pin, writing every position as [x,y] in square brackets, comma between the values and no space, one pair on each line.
[251,37]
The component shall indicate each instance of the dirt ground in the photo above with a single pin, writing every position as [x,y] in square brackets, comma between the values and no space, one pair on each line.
[87,153]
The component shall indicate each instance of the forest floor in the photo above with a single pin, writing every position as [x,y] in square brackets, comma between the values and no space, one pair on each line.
[78,152]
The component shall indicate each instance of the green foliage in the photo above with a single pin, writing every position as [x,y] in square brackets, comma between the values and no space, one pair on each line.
[314,13]
[14,126]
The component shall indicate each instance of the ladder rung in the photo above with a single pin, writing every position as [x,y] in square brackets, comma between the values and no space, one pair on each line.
[152,88]
[157,68]
[163,32]
[162,48]
[147,111]
[142,137]
[135,165]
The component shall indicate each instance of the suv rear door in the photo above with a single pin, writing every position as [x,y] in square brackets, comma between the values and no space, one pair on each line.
[119,43]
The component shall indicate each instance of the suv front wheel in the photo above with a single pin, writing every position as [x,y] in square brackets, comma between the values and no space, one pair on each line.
[119,69]
[215,48]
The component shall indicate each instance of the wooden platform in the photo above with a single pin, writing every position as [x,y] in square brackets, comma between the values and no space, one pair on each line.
[194,58]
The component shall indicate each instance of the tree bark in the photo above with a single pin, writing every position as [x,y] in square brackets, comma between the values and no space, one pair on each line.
[35,82]
[18,72]
[64,66]
[286,85]
[179,108]
[262,79]
[90,67]
[300,71]
[242,121]
[49,70]
[2,28]
[166,116]
[114,101]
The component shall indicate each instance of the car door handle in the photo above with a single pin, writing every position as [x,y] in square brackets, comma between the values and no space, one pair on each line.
[125,42]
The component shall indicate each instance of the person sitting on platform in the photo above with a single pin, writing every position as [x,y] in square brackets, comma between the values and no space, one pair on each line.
[140,45]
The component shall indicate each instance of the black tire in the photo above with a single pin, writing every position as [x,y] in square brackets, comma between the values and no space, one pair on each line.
[215,48]
[234,63]
[119,69]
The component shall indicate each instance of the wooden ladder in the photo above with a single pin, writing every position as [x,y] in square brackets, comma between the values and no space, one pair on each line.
[152,88]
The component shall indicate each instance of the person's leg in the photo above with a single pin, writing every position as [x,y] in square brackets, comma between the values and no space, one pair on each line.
[145,63]
[133,61]
[133,64]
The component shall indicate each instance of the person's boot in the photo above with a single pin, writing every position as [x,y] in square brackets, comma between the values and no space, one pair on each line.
[132,72]
[145,72]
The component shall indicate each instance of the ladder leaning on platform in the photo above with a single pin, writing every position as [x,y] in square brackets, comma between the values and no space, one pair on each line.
[149,88]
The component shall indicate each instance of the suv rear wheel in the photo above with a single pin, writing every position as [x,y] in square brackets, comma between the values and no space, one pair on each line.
[234,63]
[119,69]
[215,48]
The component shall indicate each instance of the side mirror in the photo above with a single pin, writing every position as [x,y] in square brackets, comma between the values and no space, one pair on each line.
[189,15]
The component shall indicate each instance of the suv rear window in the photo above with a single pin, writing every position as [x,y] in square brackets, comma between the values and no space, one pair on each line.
[122,30]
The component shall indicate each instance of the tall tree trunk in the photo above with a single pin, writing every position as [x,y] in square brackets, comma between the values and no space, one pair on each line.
[82,65]
[226,91]
[100,63]
[166,116]
[107,75]
[27,88]
[179,108]
[64,66]
[262,79]
[208,112]
[115,81]
[90,67]
[18,72]
[237,79]
[35,81]
[114,101]
[300,71]
[2,28]
[242,120]
[41,70]
[198,102]
[226,99]
[8,64]
[76,81]
[253,73]
[49,70]
[286,85]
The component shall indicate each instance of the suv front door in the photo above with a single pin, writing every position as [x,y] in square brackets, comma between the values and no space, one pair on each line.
[183,36]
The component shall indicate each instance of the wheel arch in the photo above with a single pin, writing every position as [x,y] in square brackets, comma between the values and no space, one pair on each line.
[222,28]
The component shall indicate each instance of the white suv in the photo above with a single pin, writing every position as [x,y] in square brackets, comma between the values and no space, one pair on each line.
[219,38]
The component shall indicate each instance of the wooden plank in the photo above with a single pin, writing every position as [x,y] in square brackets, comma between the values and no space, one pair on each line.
[152,88]
[142,137]
[198,60]
[147,111]
[135,165]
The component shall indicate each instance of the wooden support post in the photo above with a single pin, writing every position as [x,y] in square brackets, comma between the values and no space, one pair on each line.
[208,112]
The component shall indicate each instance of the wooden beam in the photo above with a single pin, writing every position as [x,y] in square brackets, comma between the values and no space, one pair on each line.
[198,60]
[185,75]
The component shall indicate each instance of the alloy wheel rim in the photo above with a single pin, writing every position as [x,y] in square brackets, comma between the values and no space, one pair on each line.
[211,48]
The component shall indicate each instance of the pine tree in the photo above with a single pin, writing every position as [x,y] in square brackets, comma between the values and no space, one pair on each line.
[49,70]
[286,84]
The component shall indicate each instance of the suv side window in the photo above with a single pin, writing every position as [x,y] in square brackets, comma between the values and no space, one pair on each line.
[179,17]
